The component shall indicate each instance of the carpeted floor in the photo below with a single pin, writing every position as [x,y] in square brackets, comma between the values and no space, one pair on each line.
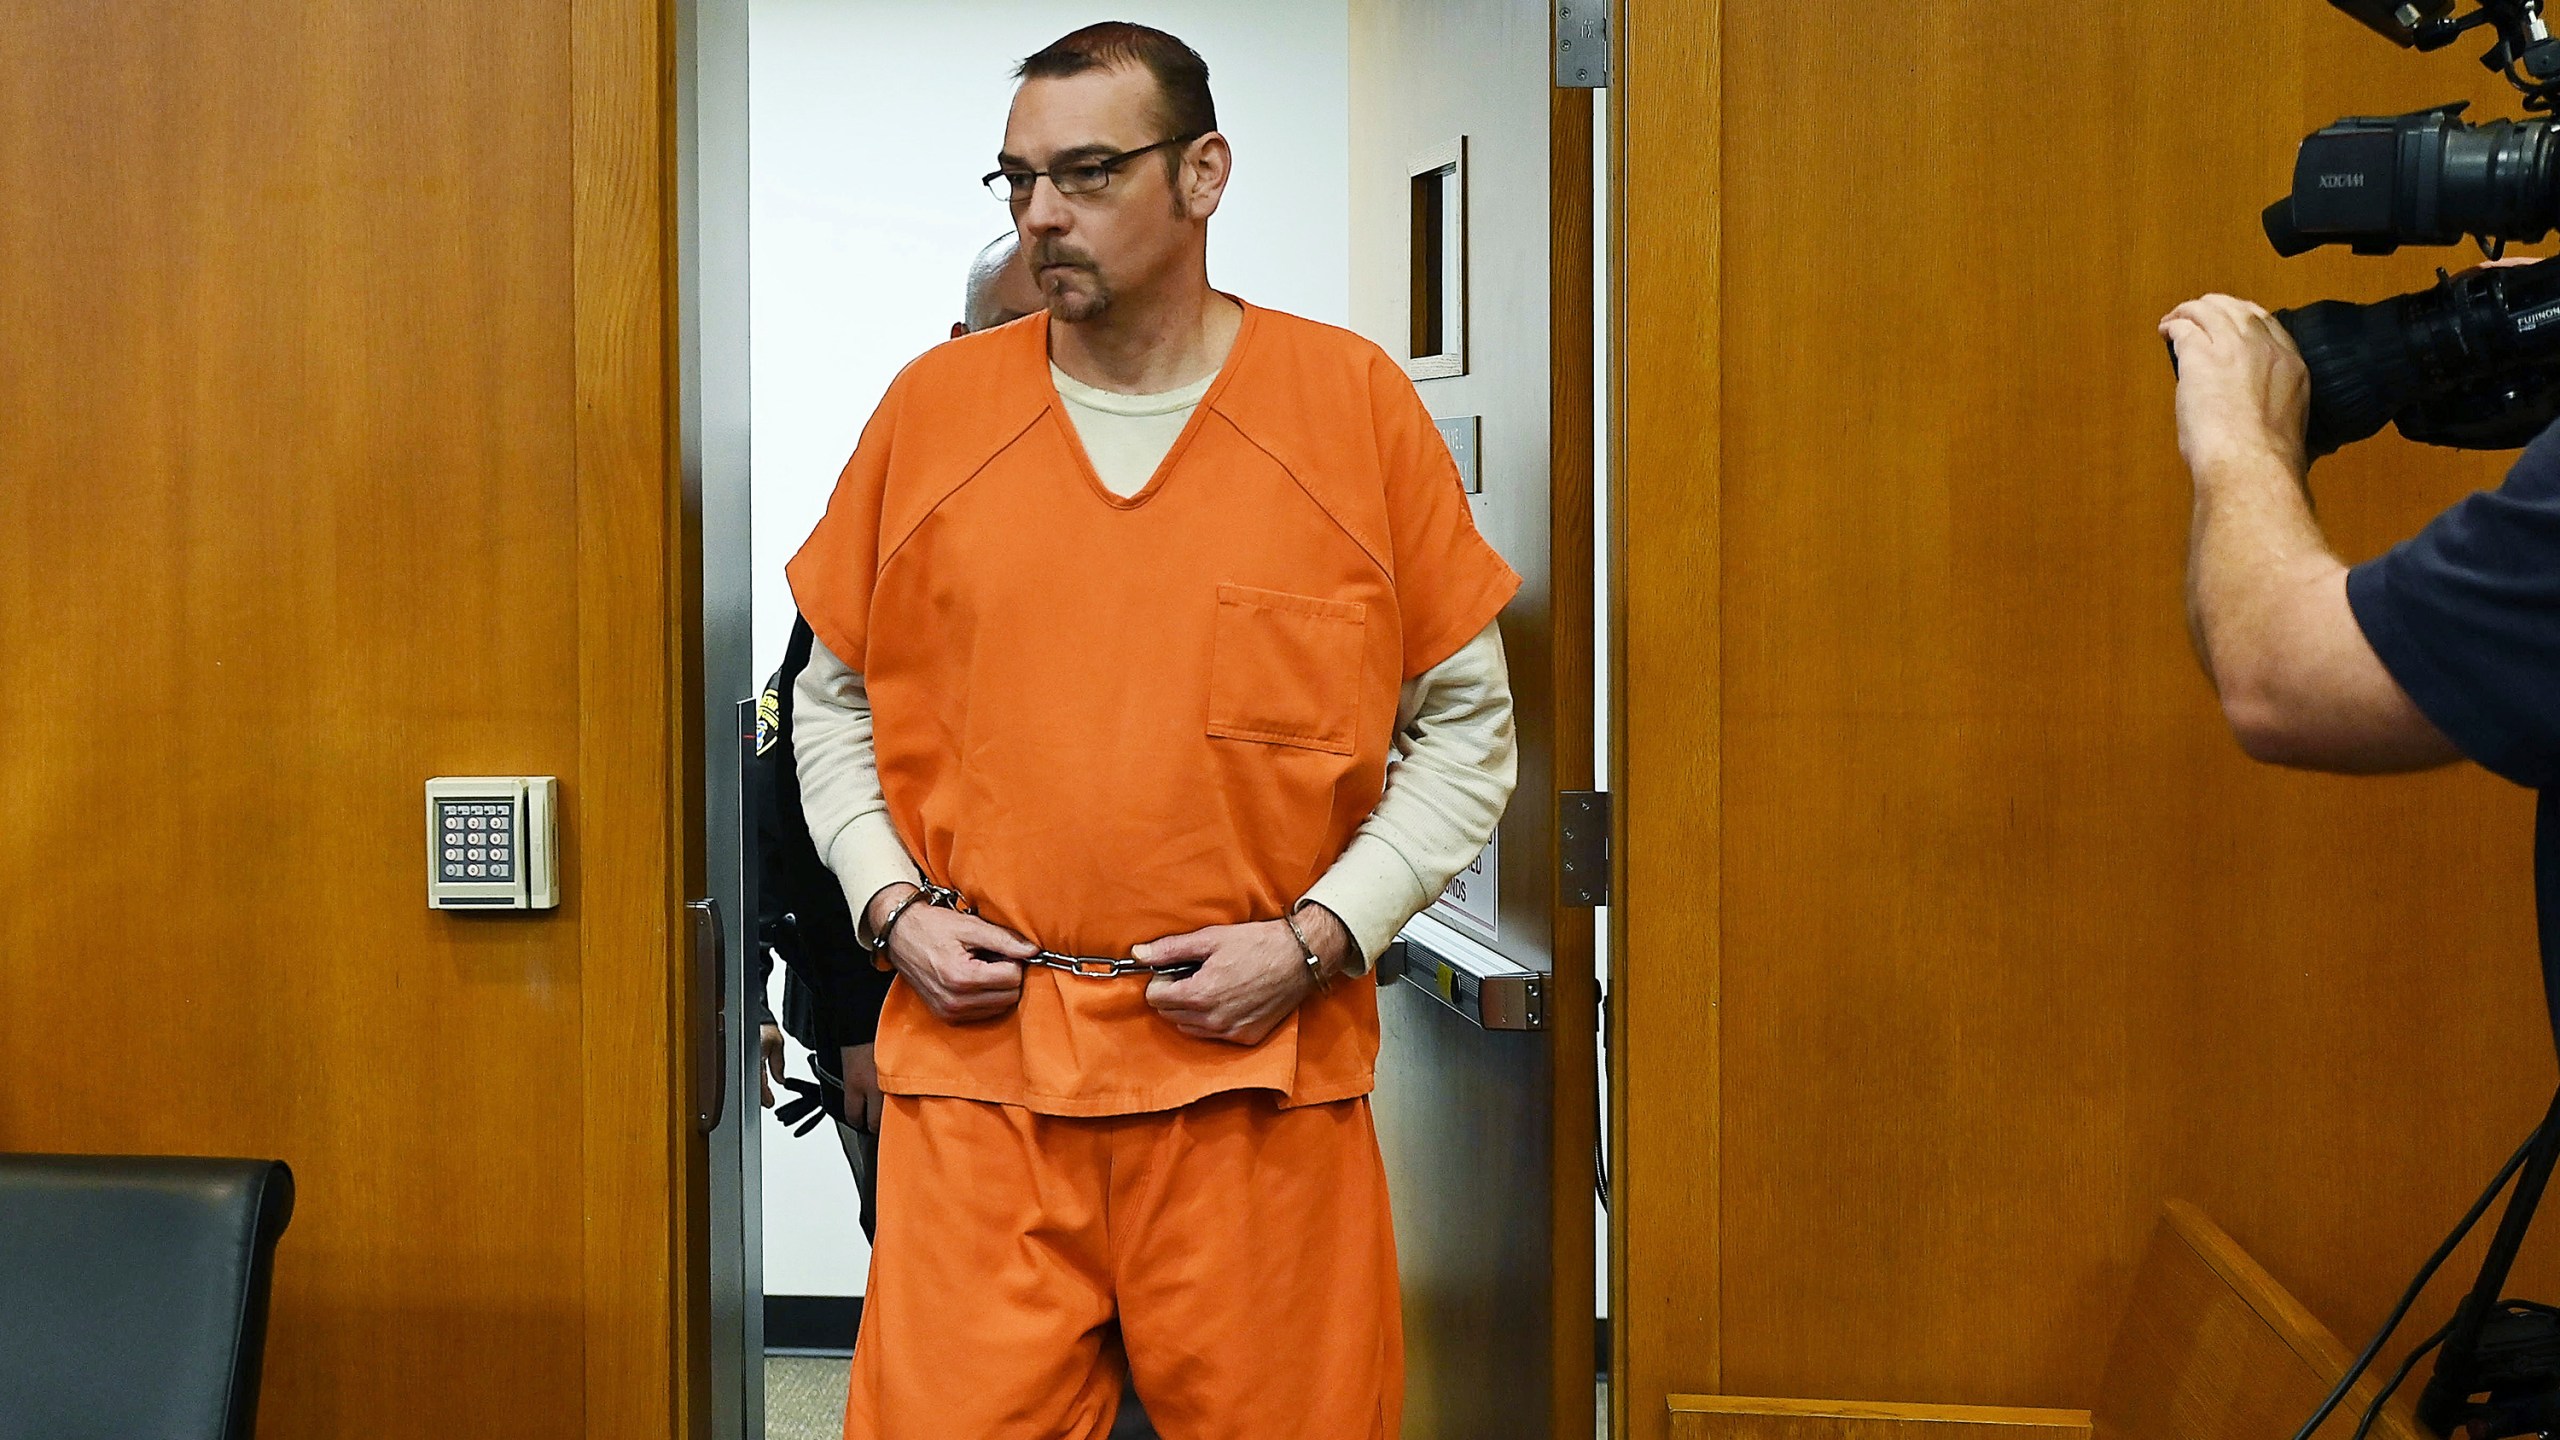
[804,1398]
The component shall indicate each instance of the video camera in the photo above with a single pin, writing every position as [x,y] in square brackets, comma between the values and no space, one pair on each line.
[2474,360]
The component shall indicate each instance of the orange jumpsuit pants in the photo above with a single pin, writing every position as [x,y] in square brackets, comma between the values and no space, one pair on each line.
[1245,1250]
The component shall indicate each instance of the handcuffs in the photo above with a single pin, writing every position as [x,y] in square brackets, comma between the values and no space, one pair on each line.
[1089,967]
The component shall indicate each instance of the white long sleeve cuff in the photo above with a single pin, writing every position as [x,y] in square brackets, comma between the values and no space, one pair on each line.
[1458,760]
[840,781]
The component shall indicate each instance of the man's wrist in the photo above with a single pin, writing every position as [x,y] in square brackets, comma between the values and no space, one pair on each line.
[2252,463]
[882,901]
[1327,935]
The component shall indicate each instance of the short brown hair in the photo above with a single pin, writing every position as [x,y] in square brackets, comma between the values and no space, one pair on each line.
[1182,77]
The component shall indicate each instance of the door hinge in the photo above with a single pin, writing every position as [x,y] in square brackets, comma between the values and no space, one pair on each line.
[1582,848]
[1582,44]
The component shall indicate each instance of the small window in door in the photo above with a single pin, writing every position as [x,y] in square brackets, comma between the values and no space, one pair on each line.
[1437,344]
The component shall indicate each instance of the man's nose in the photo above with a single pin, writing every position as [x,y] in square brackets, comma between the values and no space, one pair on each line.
[1047,211]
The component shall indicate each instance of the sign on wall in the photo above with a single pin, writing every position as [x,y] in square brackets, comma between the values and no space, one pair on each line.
[1474,897]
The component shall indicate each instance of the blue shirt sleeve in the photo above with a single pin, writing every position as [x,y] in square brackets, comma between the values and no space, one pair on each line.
[2466,616]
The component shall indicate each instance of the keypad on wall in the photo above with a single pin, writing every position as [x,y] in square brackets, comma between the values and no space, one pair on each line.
[490,842]
[479,840]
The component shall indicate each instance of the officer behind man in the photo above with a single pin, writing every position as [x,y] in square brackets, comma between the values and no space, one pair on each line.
[2446,647]
[831,996]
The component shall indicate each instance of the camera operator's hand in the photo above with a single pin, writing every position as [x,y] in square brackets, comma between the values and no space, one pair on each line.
[2266,598]
[962,967]
[2243,394]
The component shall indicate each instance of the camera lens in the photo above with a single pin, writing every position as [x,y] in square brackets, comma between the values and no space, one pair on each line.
[2448,364]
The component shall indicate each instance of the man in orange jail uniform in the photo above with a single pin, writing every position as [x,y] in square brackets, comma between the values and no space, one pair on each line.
[1122,610]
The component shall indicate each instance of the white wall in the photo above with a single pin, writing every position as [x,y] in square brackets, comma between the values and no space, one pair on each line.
[872,121]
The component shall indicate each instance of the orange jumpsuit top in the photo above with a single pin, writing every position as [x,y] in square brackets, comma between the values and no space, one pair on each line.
[1111,720]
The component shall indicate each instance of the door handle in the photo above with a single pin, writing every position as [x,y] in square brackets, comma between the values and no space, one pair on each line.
[711,1009]
[1491,991]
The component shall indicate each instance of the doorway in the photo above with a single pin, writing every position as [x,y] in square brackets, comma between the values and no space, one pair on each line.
[870,121]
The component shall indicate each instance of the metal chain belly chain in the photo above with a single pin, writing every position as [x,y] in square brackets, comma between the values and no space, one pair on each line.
[1089,967]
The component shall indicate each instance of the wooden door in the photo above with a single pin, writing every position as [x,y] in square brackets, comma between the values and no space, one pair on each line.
[335,454]
[1488,1135]
[1956,933]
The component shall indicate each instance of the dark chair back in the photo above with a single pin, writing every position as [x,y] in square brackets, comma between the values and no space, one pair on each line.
[133,1294]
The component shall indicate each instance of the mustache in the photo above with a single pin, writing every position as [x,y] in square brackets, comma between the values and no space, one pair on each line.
[1049,253]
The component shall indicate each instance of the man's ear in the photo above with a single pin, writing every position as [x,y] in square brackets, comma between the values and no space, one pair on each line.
[1210,168]
[959,328]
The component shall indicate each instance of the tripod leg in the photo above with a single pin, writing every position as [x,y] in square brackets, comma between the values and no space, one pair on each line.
[2446,1404]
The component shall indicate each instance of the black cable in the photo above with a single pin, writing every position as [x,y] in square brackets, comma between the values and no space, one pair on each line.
[1600,1111]
[2409,1297]
[1600,1149]
[2373,1411]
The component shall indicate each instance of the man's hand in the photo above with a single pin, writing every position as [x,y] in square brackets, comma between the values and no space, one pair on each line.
[769,1042]
[2244,396]
[962,968]
[862,1085]
[1251,977]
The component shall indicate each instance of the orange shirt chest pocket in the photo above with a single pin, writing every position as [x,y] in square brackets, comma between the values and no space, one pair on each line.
[1287,669]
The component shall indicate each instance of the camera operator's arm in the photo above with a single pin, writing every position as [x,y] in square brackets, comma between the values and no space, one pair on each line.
[2266,600]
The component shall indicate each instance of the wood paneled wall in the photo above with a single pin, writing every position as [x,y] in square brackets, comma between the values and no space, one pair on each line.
[334,455]
[1956,932]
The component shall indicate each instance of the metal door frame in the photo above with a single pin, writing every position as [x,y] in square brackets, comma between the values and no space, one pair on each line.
[712,284]
[712,288]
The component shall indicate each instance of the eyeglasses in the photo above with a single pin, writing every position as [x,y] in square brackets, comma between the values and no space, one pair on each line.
[1080,177]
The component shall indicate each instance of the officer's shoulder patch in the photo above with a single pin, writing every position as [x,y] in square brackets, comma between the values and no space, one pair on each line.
[768,718]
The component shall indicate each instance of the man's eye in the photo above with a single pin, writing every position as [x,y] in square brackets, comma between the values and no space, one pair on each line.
[1085,177]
